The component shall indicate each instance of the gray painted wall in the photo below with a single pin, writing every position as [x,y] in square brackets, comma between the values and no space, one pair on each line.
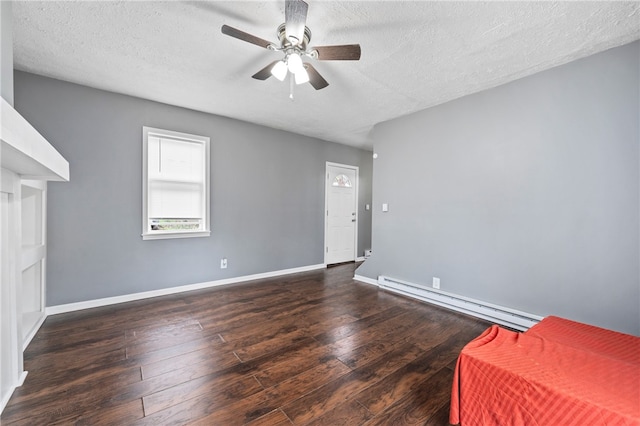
[525,195]
[267,192]
[6,51]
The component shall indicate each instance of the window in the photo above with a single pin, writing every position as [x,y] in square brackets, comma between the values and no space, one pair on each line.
[342,181]
[175,187]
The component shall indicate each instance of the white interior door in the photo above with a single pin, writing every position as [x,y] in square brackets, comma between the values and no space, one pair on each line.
[341,213]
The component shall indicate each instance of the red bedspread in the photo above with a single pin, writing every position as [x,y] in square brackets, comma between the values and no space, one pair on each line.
[558,373]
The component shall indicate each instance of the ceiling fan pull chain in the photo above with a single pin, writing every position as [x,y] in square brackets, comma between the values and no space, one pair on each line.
[291,84]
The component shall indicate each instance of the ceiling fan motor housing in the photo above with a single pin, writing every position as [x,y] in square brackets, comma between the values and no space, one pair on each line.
[286,43]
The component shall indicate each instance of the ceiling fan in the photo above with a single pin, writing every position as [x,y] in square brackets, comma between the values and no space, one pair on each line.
[294,37]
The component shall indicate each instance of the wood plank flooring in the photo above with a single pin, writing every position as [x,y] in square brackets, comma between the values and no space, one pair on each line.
[315,348]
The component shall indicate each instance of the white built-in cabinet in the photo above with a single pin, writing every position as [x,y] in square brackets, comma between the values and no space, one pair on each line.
[28,161]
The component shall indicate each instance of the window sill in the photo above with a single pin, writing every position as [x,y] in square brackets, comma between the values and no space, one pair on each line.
[171,235]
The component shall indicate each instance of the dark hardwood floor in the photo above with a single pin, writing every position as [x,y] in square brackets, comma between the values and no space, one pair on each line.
[314,348]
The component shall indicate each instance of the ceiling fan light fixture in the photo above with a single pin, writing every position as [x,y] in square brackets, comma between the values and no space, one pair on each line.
[279,70]
[302,76]
[294,62]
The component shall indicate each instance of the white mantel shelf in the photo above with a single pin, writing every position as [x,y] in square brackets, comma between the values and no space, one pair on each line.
[26,152]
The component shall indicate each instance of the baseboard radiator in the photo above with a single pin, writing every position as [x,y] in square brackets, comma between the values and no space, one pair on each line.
[477,308]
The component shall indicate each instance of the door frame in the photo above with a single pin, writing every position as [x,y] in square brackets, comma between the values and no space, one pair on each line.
[326,207]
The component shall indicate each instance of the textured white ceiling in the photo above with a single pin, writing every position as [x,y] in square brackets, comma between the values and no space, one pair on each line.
[414,54]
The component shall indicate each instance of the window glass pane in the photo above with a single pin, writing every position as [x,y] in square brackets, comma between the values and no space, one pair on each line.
[180,160]
[342,180]
[175,199]
[176,224]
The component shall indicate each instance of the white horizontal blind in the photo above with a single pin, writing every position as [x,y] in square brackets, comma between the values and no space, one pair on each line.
[176,178]
[176,183]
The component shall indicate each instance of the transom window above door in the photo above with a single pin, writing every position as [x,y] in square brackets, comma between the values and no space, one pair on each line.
[342,180]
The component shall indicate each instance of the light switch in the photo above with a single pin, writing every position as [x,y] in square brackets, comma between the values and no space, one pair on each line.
[367,207]
[385,207]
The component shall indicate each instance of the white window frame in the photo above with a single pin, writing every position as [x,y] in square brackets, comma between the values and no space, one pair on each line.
[147,233]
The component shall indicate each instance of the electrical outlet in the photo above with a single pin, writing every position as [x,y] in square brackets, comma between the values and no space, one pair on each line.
[223,263]
[436,282]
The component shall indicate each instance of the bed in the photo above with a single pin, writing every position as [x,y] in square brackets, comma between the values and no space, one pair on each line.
[559,372]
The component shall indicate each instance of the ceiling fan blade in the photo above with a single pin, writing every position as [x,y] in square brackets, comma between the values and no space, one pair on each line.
[315,79]
[346,52]
[265,72]
[295,19]
[241,35]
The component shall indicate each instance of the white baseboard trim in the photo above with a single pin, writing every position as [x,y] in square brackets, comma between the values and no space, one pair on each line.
[7,396]
[513,318]
[23,376]
[33,331]
[71,307]
[360,259]
[365,280]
